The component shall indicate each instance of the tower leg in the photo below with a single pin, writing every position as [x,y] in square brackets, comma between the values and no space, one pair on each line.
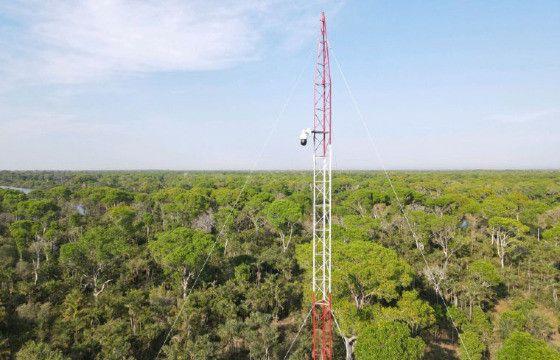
[328,330]
[315,323]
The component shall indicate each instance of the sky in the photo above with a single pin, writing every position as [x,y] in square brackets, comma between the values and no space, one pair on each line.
[227,85]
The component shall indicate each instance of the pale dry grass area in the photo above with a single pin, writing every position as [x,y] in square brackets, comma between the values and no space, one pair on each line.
[505,305]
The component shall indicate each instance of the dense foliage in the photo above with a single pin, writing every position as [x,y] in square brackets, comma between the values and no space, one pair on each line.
[118,265]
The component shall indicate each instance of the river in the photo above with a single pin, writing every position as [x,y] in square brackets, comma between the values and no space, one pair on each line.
[23,190]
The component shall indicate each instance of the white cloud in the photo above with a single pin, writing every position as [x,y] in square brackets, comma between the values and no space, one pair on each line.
[81,41]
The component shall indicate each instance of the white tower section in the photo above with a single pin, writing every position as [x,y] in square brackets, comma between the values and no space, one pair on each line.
[322,189]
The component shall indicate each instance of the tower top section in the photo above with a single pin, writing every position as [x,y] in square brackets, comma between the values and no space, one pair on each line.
[322,128]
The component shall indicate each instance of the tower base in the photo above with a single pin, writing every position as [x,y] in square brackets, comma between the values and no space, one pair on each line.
[322,322]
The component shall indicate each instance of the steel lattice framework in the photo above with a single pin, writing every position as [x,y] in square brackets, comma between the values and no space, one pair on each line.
[322,166]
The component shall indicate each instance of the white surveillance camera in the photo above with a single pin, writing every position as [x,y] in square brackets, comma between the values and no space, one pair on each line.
[304,136]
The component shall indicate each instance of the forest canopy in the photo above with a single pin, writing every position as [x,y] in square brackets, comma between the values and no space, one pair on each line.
[215,265]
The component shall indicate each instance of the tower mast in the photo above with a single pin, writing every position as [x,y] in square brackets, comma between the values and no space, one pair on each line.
[322,165]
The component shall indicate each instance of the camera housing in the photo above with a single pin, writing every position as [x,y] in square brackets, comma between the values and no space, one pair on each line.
[304,136]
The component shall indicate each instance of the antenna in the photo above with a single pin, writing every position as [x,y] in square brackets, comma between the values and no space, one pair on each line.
[322,317]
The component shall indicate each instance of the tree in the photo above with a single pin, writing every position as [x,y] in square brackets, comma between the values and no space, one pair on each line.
[475,331]
[42,214]
[355,227]
[255,205]
[413,311]
[522,346]
[40,210]
[369,272]
[284,215]
[22,232]
[38,351]
[471,346]
[95,257]
[442,233]
[553,234]
[262,337]
[115,339]
[101,198]
[446,204]
[122,216]
[498,206]
[181,252]
[226,196]
[389,341]
[179,207]
[545,261]
[481,282]
[361,201]
[9,199]
[503,229]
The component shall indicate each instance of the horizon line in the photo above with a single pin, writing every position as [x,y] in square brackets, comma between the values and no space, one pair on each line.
[281,170]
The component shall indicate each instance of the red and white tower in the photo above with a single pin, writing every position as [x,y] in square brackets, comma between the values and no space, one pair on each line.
[322,346]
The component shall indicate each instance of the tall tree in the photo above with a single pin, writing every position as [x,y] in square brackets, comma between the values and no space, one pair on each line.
[284,215]
[95,258]
[504,232]
[181,252]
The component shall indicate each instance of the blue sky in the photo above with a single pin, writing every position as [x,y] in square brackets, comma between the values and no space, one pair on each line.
[199,84]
